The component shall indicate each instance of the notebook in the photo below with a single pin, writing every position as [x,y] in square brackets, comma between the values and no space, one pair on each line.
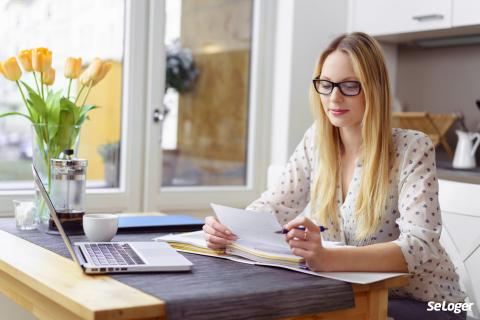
[257,238]
[259,244]
[150,223]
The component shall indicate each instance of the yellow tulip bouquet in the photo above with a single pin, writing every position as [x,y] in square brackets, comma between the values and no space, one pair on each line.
[56,117]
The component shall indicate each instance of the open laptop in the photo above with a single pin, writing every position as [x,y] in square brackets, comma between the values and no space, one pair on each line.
[116,257]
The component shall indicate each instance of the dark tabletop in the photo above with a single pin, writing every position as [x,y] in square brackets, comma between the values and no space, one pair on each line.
[219,288]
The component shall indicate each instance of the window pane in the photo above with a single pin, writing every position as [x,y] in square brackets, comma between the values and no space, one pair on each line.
[74,28]
[205,132]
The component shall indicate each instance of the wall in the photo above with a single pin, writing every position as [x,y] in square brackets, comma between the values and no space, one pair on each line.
[304,29]
[390,53]
[441,80]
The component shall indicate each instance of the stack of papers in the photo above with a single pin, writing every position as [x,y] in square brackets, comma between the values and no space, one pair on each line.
[259,244]
[193,242]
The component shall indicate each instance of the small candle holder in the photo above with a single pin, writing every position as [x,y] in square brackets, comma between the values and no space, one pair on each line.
[25,215]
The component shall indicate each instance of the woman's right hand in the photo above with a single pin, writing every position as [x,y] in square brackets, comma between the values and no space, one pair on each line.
[216,234]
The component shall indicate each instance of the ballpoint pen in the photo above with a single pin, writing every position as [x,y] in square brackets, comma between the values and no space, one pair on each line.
[284,231]
[303,266]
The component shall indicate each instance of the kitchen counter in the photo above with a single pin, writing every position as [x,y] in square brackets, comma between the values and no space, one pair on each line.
[445,171]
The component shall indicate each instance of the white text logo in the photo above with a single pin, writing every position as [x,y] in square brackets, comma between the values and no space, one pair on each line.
[444,306]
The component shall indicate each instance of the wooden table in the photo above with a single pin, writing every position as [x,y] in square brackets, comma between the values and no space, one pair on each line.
[53,287]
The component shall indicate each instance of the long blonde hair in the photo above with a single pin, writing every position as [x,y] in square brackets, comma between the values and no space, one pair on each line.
[376,152]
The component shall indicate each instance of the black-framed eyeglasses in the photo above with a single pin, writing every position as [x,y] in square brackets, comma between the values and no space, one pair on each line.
[347,88]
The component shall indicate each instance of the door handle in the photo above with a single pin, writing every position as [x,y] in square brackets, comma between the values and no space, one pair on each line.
[428,17]
[160,115]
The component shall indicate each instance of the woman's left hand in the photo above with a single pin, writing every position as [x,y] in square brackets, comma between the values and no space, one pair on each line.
[306,243]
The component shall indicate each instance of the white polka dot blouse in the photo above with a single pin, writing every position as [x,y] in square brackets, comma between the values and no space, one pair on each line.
[411,220]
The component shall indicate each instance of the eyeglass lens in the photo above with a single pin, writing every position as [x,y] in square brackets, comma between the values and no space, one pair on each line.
[348,88]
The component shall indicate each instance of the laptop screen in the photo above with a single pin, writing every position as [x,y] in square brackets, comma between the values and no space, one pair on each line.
[53,212]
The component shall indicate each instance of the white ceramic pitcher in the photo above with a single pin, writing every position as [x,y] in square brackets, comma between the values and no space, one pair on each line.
[465,151]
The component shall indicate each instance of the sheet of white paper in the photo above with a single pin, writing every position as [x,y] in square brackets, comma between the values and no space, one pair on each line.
[251,225]
[352,277]
[256,229]
[360,277]
[195,238]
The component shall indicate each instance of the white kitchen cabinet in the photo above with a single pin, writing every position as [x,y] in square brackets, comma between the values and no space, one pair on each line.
[380,17]
[460,207]
[465,13]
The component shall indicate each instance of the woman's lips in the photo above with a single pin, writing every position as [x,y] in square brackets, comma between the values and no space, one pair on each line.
[338,112]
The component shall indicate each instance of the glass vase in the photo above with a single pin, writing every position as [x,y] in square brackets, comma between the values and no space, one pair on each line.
[49,141]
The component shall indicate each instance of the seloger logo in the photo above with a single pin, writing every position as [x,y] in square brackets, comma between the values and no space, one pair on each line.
[444,306]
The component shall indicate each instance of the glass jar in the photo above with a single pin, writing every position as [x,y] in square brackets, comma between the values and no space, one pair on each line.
[68,191]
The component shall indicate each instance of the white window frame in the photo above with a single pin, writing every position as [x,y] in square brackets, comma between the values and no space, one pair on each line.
[191,199]
[143,78]
[128,196]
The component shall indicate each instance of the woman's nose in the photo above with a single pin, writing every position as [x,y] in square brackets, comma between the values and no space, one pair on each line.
[336,94]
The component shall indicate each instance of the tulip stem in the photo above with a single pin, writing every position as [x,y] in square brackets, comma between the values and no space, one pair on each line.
[86,95]
[23,96]
[79,93]
[36,82]
[46,89]
[41,84]
[68,92]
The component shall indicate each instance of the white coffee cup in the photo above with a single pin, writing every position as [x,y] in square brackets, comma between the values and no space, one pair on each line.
[100,227]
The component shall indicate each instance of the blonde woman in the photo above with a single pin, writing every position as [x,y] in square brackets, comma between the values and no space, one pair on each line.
[373,187]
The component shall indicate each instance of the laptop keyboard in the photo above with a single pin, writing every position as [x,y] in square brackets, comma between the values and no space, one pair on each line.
[113,254]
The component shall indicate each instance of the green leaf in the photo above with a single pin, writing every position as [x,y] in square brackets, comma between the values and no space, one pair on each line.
[53,106]
[67,105]
[84,110]
[53,98]
[6,114]
[66,118]
[37,107]
[66,134]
